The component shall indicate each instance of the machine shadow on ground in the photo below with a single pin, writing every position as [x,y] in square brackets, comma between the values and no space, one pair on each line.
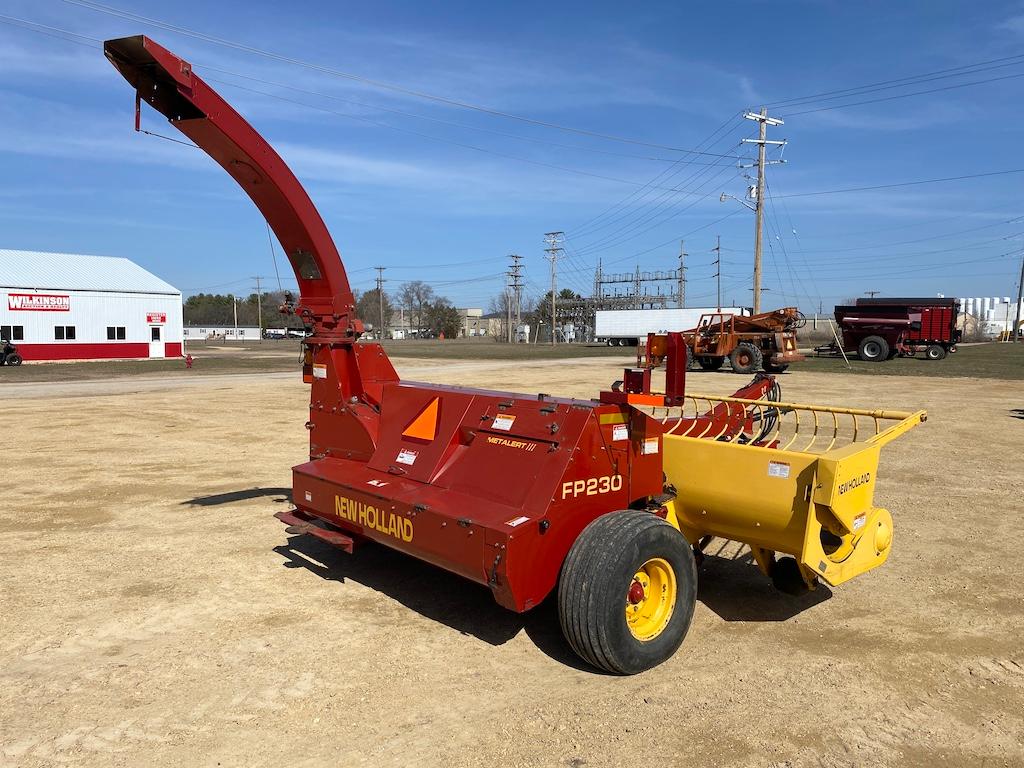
[433,593]
[230,497]
[734,589]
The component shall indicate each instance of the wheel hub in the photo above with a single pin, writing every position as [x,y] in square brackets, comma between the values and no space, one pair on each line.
[636,593]
[650,599]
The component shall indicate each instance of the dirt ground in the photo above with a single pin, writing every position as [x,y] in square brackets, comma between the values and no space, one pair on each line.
[153,613]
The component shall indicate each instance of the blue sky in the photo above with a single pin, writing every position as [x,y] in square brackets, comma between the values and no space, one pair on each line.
[444,194]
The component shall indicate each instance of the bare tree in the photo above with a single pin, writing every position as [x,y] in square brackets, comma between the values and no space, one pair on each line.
[414,297]
[500,305]
[369,310]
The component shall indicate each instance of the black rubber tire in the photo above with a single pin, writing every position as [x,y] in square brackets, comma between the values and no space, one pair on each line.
[873,349]
[609,342]
[935,352]
[772,368]
[13,359]
[710,363]
[787,578]
[622,342]
[746,358]
[596,578]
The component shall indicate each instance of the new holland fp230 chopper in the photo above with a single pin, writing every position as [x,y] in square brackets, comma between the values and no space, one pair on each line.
[608,501]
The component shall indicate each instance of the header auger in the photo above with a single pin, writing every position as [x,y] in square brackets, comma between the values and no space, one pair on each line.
[610,501]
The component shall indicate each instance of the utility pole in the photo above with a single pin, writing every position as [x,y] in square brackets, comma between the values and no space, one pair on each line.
[515,298]
[762,141]
[872,294]
[553,240]
[508,309]
[380,299]
[1020,295]
[234,307]
[718,268]
[259,304]
[682,275]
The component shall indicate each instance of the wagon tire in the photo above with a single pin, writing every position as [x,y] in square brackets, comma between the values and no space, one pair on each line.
[935,352]
[786,577]
[776,367]
[710,363]
[746,358]
[13,359]
[873,349]
[627,592]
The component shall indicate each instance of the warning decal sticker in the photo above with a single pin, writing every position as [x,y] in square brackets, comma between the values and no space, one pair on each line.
[650,445]
[620,432]
[405,456]
[319,371]
[503,422]
[778,469]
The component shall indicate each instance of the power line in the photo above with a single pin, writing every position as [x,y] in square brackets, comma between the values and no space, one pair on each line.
[901,96]
[273,255]
[111,11]
[704,144]
[431,137]
[630,232]
[441,121]
[965,69]
[902,184]
[629,222]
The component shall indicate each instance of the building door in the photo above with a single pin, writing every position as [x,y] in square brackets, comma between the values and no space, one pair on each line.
[156,342]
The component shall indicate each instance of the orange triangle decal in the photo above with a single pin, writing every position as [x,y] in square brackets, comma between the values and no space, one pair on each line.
[424,426]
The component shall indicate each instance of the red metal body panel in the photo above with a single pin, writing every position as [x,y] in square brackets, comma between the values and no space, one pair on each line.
[910,322]
[505,482]
[937,324]
[83,351]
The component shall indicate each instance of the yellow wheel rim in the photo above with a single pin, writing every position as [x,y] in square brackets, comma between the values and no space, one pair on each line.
[650,599]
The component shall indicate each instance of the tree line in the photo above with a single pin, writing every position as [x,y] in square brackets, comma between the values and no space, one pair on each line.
[426,312]
[414,306]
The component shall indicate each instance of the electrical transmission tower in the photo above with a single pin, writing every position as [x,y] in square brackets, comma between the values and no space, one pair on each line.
[554,249]
[718,267]
[380,299]
[762,141]
[682,276]
[514,297]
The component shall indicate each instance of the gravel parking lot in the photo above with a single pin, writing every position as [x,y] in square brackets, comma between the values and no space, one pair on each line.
[155,613]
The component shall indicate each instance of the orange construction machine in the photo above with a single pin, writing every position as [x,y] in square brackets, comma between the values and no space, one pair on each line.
[767,341]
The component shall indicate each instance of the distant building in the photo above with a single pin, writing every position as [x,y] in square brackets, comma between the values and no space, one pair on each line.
[223,333]
[67,306]
[474,323]
[992,315]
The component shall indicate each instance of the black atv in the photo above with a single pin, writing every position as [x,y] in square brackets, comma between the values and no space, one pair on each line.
[9,354]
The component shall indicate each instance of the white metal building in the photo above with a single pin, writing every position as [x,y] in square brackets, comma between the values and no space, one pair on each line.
[64,306]
[224,333]
[995,314]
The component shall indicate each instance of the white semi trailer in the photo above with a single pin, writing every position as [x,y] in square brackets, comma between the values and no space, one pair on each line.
[625,327]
